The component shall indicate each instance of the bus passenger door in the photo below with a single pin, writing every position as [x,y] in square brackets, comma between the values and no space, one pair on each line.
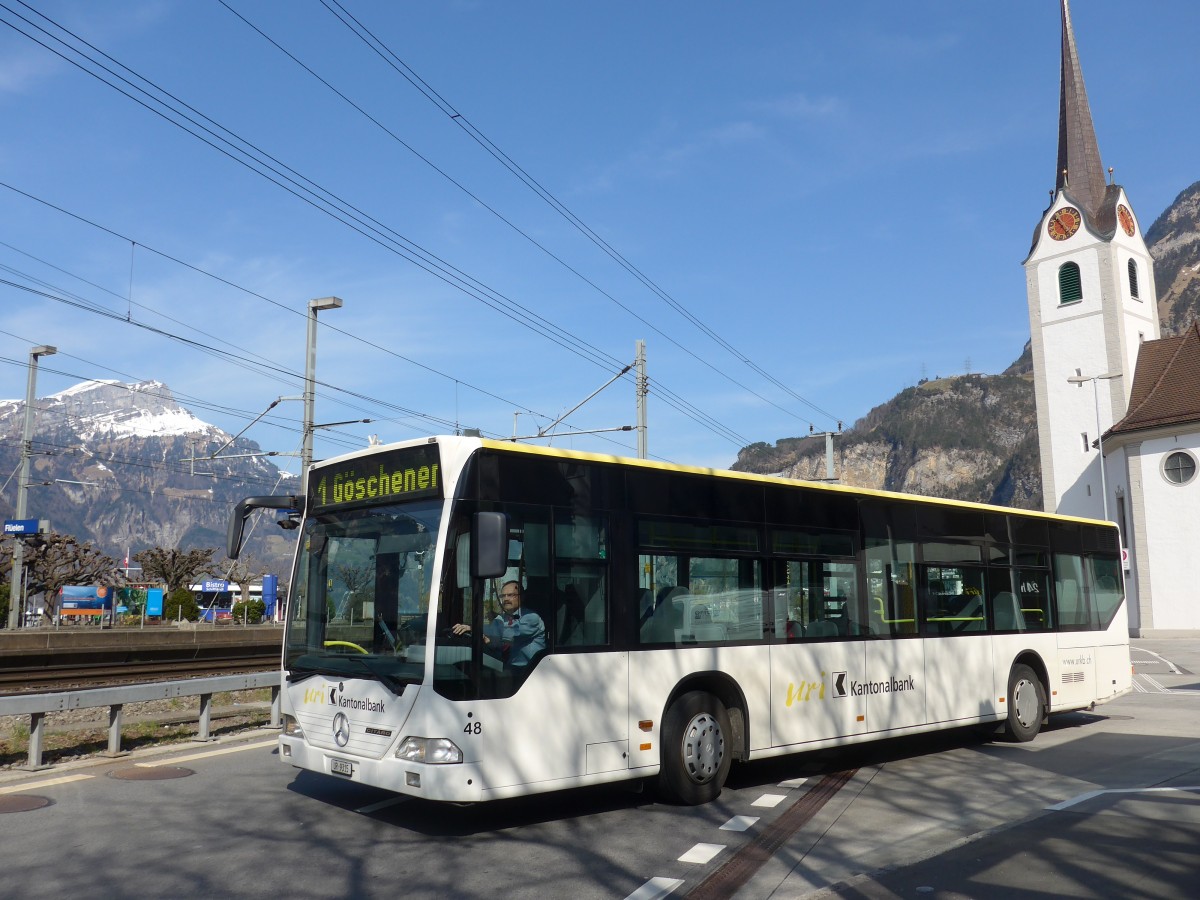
[958,650]
[812,663]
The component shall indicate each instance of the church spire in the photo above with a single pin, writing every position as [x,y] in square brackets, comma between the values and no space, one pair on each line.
[1078,152]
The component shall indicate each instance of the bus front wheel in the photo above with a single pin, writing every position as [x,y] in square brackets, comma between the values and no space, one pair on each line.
[1026,704]
[695,749]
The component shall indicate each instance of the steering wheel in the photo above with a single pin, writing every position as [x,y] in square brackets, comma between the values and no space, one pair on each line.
[346,644]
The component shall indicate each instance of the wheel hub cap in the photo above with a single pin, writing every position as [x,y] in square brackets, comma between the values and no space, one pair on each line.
[703,748]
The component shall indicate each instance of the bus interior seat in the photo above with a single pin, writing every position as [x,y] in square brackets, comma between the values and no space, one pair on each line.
[583,615]
[1070,609]
[570,616]
[645,605]
[972,606]
[664,625]
[1007,611]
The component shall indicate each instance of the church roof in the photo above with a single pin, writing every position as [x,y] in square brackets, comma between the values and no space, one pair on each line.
[1079,166]
[1166,384]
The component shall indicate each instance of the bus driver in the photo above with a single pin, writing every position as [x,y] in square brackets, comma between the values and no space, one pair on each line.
[516,635]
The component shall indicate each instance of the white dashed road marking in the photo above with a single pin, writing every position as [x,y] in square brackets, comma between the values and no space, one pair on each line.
[702,853]
[770,801]
[739,823]
[656,889]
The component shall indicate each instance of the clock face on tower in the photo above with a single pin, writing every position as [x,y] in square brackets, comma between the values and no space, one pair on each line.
[1064,223]
[1125,217]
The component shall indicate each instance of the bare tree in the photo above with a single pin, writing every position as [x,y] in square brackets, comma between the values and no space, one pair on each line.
[6,555]
[56,560]
[354,577]
[357,579]
[242,571]
[174,568]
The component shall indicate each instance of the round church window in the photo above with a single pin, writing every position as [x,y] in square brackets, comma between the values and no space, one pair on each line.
[1179,467]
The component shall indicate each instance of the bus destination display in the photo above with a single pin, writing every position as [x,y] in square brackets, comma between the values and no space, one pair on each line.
[391,477]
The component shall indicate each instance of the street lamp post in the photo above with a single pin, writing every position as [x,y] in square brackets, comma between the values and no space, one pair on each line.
[16,596]
[1079,380]
[310,366]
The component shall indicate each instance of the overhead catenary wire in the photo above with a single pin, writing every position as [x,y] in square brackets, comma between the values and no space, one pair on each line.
[678,403]
[354,219]
[258,161]
[491,209]
[208,274]
[462,121]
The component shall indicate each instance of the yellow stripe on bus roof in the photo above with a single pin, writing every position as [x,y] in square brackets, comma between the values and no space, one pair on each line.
[585,456]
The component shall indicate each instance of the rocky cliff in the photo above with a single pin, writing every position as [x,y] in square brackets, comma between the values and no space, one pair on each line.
[975,437]
[1174,241]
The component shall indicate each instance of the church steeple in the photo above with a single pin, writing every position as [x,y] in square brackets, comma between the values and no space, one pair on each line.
[1078,152]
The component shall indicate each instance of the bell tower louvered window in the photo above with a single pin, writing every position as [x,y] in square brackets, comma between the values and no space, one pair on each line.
[1070,288]
[1133,280]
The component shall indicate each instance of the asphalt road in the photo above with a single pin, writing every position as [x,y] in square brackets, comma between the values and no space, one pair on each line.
[1097,806]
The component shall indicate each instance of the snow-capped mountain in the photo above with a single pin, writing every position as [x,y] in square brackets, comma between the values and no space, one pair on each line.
[113,464]
[111,409]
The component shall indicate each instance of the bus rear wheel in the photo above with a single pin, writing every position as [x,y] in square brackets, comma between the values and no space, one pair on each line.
[695,749]
[1026,704]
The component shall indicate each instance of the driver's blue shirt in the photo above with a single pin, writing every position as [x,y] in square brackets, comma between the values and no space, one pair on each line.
[518,637]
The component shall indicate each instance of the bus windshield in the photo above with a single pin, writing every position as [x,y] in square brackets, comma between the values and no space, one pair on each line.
[362,587]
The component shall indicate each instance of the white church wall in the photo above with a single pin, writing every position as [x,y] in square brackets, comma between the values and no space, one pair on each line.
[1172,534]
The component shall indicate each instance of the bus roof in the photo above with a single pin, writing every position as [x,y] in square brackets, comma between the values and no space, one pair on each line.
[586,456]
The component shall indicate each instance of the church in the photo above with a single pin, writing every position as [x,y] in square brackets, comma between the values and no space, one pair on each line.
[1118,405]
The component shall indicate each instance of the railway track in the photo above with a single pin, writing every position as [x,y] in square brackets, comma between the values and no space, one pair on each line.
[49,679]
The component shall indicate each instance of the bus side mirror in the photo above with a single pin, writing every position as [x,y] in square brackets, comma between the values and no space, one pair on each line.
[241,512]
[489,545]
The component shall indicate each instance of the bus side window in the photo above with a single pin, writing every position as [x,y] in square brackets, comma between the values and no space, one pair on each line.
[580,580]
[726,602]
[1074,612]
[1105,576]
[892,576]
[658,577]
[953,599]
[1034,599]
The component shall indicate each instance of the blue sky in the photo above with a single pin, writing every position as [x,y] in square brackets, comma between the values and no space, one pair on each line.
[843,193]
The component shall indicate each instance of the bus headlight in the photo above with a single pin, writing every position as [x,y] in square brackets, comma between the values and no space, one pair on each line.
[435,751]
[291,727]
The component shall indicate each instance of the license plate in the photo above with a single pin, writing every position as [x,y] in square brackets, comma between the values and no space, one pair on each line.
[341,767]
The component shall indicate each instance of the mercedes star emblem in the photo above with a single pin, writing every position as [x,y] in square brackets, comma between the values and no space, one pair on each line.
[341,729]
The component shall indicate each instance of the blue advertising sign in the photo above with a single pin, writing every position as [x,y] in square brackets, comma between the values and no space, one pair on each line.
[20,526]
[154,602]
[270,594]
[214,586]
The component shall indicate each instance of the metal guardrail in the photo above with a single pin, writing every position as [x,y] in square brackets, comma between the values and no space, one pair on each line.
[36,706]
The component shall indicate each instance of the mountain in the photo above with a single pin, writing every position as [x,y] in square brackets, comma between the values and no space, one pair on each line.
[1174,240]
[112,465]
[974,437]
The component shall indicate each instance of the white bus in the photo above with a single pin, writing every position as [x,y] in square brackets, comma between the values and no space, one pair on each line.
[673,619]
